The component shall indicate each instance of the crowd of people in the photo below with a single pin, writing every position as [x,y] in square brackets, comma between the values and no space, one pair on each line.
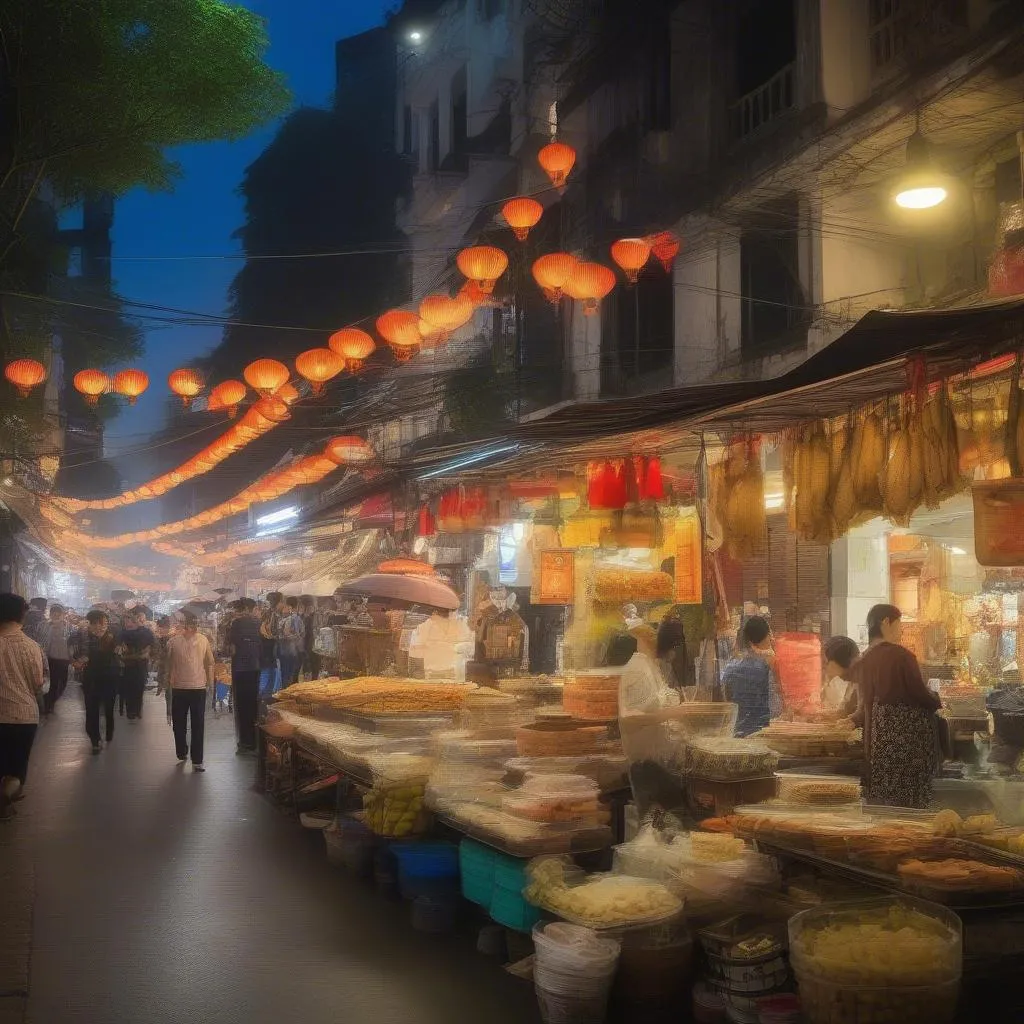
[116,651]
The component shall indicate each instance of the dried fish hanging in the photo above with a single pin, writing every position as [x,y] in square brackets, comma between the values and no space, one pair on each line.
[738,488]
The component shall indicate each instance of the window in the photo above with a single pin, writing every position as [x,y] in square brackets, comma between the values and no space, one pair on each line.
[765,60]
[659,74]
[641,323]
[774,310]
[460,112]
[434,153]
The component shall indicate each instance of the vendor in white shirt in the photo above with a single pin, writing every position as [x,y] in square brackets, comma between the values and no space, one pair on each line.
[444,643]
[643,688]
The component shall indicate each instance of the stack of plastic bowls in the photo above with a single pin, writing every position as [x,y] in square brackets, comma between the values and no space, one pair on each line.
[573,973]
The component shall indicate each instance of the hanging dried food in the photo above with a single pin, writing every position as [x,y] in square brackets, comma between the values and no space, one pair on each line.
[739,500]
[812,518]
[869,451]
[903,477]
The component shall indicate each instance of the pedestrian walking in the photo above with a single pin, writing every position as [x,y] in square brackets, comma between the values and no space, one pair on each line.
[95,656]
[137,643]
[21,682]
[190,668]
[291,642]
[244,642]
[54,637]
[34,617]
[163,636]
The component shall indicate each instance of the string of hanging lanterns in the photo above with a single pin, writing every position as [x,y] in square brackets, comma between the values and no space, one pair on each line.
[25,374]
[305,470]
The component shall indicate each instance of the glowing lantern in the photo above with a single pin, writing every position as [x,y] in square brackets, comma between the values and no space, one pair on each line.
[590,283]
[288,393]
[187,383]
[226,395]
[522,214]
[265,376]
[319,365]
[552,273]
[91,384]
[665,247]
[445,314]
[348,450]
[483,264]
[400,329]
[558,160]
[631,254]
[273,409]
[131,384]
[25,374]
[353,345]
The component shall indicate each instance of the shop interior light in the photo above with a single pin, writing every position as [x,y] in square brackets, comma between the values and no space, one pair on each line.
[282,515]
[774,501]
[920,187]
[957,551]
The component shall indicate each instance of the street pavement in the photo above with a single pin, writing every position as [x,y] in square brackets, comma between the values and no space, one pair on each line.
[134,890]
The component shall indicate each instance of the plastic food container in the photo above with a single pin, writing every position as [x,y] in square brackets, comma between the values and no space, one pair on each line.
[723,758]
[596,680]
[558,802]
[817,789]
[887,959]
[609,771]
[699,719]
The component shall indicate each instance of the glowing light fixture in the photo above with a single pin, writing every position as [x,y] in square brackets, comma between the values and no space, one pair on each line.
[920,187]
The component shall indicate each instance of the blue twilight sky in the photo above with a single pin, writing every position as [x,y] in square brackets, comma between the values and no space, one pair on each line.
[200,216]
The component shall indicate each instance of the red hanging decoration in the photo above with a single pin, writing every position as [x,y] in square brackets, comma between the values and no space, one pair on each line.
[426,525]
[654,486]
[633,475]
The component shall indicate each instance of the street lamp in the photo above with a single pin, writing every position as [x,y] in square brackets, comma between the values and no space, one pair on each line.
[920,187]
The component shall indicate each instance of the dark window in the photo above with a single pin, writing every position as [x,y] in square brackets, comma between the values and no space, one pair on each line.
[765,43]
[659,74]
[643,320]
[434,155]
[460,112]
[774,308]
[1008,183]
[407,143]
[490,8]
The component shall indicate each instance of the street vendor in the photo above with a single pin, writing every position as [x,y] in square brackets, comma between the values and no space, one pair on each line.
[897,712]
[444,643]
[647,740]
[837,692]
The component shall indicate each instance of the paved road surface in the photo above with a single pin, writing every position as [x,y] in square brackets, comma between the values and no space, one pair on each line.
[167,897]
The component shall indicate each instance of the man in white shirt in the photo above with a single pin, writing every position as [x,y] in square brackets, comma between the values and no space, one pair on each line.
[190,667]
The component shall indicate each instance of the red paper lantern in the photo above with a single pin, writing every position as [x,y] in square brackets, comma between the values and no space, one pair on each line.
[557,159]
[590,283]
[445,314]
[552,272]
[319,365]
[631,254]
[521,214]
[265,376]
[483,264]
[186,383]
[226,395]
[400,329]
[91,384]
[348,450]
[131,384]
[25,374]
[353,345]
[426,525]
[665,248]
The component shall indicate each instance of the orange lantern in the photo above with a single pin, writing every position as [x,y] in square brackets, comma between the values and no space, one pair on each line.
[131,384]
[226,395]
[552,273]
[353,345]
[521,214]
[558,160]
[319,365]
[187,383]
[91,384]
[444,314]
[590,283]
[401,330]
[265,376]
[348,450]
[273,409]
[482,264]
[288,393]
[665,247]
[631,254]
[25,374]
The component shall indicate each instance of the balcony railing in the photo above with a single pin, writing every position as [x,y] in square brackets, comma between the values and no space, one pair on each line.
[763,105]
[909,28]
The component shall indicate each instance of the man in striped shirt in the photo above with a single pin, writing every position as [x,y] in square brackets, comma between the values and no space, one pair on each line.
[190,666]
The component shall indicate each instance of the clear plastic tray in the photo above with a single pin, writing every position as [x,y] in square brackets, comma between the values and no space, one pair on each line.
[817,789]
[599,887]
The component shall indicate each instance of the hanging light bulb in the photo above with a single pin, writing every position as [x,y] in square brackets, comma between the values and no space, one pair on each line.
[921,186]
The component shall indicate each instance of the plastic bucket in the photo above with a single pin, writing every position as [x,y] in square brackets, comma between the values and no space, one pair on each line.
[560,1009]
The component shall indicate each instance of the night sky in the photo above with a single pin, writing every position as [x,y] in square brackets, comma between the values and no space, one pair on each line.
[200,216]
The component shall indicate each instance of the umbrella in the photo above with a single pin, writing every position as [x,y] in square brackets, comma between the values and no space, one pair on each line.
[414,589]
